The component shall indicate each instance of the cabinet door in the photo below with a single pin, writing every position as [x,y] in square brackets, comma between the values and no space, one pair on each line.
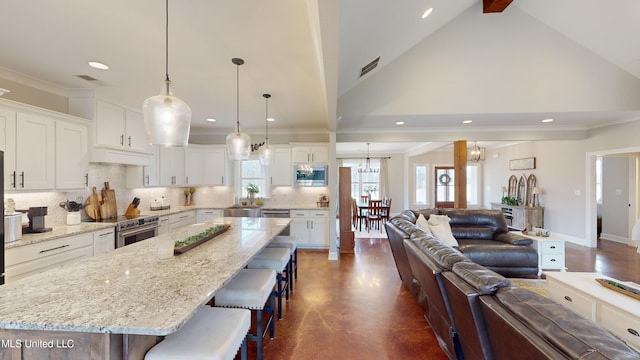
[8,145]
[194,166]
[300,228]
[164,225]
[171,166]
[318,232]
[110,124]
[104,241]
[281,168]
[150,172]
[215,167]
[519,218]
[72,155]
[319,154]
[301,154]
[135,131]
[35,152]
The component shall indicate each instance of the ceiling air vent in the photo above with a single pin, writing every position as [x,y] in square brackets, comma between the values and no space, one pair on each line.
[86,77]
[370,66]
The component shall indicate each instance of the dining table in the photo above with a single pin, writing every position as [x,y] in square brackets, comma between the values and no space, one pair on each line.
[363,206]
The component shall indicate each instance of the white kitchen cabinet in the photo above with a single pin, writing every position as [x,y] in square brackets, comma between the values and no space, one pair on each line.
[104,241]
[35,152]
[135,131]
[194,165]
[280,168]
[203,215]
[181,219]
[35,258]
[311,227]
[72,155]
[216,167]
[164,225]
[310,154]
[8,145]
[171,160]
[146,175]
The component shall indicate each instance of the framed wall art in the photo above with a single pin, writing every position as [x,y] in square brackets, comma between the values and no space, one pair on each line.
[522,164]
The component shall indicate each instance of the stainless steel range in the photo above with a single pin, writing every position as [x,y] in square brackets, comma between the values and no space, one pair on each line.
[131,230]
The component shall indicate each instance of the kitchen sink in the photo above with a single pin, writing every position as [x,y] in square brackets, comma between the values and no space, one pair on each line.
[242,211]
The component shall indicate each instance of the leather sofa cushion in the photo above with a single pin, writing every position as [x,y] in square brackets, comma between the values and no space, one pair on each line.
[498,254]
[444,256]
[425,212]
[480,278]
[513,238]
[472,232]
[405,225]
[493,219]
[575,336]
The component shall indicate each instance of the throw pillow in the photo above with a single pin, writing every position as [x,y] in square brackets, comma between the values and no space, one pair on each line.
[423,224]
[442,233]
[438,219]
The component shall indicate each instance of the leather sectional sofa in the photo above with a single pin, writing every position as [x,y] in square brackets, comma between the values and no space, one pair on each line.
[475,313]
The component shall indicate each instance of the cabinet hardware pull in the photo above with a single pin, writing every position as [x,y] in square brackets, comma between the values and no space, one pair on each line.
[184,217]
[13,181]
[122,140]
[86,179]
[633,332]
[553,260]
[223,179]
[311,224]
[129,141]
[55,248]
[105,234]
[568,298]
[22,179]
[147,179]
[552,247]
[186,180]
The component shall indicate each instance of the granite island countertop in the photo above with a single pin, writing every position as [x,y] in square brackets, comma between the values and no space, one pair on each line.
[130,291]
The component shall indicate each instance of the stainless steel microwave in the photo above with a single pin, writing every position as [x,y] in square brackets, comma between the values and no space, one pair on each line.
[310,175]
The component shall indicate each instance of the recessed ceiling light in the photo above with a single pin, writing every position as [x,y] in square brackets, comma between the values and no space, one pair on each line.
[427,12]
[399,122]
[547,120]
[98,65]
[467,121]
[271,119]
[211,120]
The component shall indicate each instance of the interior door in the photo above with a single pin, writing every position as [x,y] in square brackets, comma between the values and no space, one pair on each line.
[444,187]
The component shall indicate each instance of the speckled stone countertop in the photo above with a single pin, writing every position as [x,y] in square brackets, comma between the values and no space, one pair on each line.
[58,232]
[130,291]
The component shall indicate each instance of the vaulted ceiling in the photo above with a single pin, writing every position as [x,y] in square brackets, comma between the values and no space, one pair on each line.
[575,61]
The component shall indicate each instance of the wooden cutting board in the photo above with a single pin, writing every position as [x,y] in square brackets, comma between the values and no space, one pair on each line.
[92,205]
[109,199]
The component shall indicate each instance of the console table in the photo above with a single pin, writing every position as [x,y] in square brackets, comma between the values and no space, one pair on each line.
[521,217]
[579,292]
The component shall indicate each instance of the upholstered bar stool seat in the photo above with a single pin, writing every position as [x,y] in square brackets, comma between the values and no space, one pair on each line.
[275,259]
[250,289]
[290,242]
[212,333]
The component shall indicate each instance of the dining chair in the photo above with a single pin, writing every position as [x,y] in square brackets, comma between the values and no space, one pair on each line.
[364,198]
[386,209]
[374,214]
[360,216]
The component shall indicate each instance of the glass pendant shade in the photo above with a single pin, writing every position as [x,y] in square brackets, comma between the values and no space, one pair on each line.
[238,146]
[167,119]
[265,155]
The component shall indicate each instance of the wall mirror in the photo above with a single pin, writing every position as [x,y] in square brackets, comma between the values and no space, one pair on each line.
[513,186]
[522,190]
[531,184]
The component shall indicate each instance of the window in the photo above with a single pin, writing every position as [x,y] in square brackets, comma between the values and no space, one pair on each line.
[473,185]
[361,182]
[421,188]
[252,172]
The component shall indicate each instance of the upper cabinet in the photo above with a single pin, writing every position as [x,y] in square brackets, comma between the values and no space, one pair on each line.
[171,161]
[194,165]
[310,154]
[216,167]
[117,134]
[280,168]
[34,154]
[72,155]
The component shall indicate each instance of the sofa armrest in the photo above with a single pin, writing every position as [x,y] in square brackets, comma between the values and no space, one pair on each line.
[512,238]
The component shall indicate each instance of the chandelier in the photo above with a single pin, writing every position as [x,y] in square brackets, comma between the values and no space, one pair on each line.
[305,169]
[475,154]
[368,168]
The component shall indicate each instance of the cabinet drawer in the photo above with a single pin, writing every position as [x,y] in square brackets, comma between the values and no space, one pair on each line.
[572,300]
[298,214]
[182,217]
[47,248]
[318,213]
[620,323]
[551,247]
[36,266]
[552,261]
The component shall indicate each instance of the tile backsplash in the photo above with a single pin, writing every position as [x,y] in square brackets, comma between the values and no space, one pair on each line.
[213,196]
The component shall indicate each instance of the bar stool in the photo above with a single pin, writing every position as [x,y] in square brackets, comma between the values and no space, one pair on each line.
[212,333]
[250,289]
[275,259]
[290,242]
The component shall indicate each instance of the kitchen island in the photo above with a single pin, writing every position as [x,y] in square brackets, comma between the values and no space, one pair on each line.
[116,305]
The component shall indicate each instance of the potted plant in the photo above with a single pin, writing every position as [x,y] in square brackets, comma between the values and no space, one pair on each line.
[252,190]
[370,189]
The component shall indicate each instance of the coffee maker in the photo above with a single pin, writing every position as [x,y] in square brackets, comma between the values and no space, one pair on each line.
[36,216]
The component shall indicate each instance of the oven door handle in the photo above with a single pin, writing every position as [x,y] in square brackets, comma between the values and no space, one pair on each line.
[137,231]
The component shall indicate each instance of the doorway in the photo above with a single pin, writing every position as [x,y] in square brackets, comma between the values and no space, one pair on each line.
[444,187]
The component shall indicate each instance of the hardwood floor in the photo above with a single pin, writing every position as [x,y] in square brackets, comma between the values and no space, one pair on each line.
[357,308]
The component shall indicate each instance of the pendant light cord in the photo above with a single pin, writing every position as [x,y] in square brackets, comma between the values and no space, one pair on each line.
[166,42]
[266,122]
[237,98]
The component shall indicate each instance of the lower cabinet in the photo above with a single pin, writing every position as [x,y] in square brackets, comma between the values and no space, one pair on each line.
[311,227]
[182,219]
[35,258]
[203,215]
[104,241]
[164,225]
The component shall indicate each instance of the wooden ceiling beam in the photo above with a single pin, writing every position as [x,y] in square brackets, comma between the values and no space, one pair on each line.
[493,6]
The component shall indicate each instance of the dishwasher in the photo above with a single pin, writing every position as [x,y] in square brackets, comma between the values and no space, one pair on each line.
[276,213]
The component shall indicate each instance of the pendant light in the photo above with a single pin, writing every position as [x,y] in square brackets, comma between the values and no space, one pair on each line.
[167,118]
[238,143]
[368,168]
[265,152]
[475,153]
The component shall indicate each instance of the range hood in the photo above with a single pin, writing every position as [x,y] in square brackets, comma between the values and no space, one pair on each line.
[109,155]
